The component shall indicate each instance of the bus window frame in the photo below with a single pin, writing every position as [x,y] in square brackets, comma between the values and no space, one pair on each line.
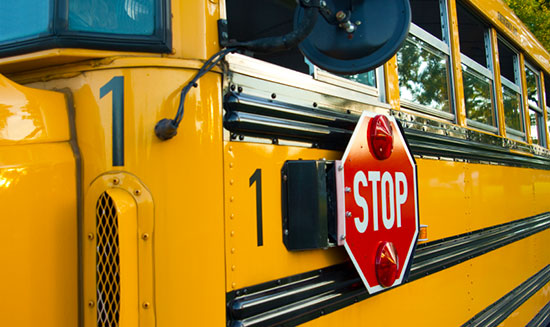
[540,123]
[59,35]
[444,50]
[478,68]
[517,87]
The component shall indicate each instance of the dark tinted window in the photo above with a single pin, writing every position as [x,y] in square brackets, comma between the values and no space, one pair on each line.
[547,89]
[427,15]
[472,35]
[507,59]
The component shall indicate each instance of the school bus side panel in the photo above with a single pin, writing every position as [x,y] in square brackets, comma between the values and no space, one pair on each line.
[38,197]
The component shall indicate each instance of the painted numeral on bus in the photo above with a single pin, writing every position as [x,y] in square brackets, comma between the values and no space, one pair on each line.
[256,178]
[116,86]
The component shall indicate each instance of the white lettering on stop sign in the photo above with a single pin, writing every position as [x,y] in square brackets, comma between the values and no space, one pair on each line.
[393,194]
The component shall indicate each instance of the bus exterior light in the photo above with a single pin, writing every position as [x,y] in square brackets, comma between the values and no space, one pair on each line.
[380,137]
[386,264]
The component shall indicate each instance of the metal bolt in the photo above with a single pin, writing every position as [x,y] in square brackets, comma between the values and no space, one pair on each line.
[342,237]
[239,89]
[225,35]
[90,236]
[285,178]
[116,181]
[232,233]
[286,232]
[145,305]
[273,95]
[358,23]
[91,304]
[145,236]
[340,168]
[348,189]
[348,214]
[137,192]
[323,4]
[232,216]
[340,15]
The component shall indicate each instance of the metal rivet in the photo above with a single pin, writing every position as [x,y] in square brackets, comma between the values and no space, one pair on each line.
[239,89]
[286,232]
[116,181]
[285,178]
[230,148]
[342,237]
[145,236]
[230,165]
[233,285]
[90,236]
[340,168]
[232,216]
[232,199]
[145,305]
[232,233]
[273,95]
[231,182]
[241,137]
[233,267]
[233,250]
[348,189]
[232,87]
[348,214]
[91,304]
[137,192]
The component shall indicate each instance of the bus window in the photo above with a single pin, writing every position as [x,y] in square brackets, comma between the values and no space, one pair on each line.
[272,18]
[476,70]
[536,114]
[547,99]
[511,90]
[118,17]
[23,18]
[132,25]
[423,61]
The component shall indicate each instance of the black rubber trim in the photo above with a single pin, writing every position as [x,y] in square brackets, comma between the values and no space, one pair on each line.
[497,312]
[542,319]
[300,298]
[248,115]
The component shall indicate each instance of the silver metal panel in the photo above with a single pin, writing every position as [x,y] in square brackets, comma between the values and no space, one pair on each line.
[476,66]
[428,38]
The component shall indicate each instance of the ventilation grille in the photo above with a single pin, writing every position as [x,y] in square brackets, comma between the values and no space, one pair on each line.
[107,263]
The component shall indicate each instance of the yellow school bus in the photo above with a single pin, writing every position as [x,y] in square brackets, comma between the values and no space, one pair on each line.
[143,146]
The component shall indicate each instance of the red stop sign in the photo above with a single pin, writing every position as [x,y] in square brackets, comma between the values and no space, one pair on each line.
[379,222]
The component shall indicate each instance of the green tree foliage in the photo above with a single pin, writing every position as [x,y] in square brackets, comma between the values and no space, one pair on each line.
[535,14]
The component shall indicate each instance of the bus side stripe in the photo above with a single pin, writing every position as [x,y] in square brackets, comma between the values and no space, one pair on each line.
[542,318]
[303,297]
[497,312]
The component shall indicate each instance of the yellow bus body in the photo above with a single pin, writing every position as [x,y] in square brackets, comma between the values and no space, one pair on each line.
[186,208]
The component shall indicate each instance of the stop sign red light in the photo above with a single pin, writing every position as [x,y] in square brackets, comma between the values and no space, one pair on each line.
[378,220]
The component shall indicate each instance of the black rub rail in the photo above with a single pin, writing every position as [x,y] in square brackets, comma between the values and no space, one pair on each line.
[248,115]
[300,298]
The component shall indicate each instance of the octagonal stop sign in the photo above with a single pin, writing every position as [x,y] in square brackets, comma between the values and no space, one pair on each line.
[378,220]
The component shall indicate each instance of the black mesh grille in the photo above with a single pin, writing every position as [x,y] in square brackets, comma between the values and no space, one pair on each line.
[107,263]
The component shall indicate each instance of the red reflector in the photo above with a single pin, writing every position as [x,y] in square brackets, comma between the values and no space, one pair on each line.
[386,264]
[380,137]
